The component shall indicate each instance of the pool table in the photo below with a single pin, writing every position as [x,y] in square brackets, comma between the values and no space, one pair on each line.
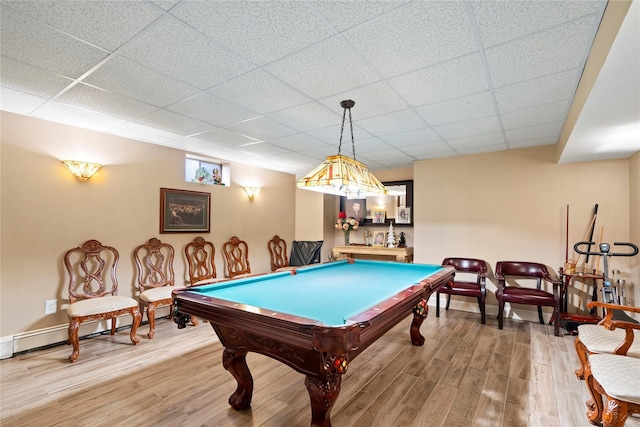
[315,319]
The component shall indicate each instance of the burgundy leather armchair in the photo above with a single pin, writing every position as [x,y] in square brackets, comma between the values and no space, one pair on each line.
[467,288]
[509,292]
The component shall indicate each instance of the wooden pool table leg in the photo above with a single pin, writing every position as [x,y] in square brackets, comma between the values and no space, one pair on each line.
[420,312]
[323,394]
[235,362]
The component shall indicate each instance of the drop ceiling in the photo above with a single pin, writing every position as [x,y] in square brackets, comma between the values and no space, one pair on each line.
[260,82]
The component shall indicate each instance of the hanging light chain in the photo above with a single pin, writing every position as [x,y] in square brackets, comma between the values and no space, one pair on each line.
[353,143]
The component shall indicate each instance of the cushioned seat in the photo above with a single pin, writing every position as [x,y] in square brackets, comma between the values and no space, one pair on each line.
[93,291]
[618,378]
[467,288]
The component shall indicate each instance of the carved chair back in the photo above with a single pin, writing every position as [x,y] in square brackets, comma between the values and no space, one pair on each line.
[92,270]
[154,262]
[200,257]
[236,255]
[278,253]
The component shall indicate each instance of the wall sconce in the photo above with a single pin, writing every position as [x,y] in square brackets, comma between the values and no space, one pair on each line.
[81,170]
[251,192]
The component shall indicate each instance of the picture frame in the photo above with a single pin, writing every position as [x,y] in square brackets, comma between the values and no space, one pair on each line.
[355,208]
[379,217]
[404,216]
[379,238]
[183,211]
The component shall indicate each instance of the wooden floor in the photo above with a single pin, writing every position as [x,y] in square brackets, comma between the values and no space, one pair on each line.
[466,374]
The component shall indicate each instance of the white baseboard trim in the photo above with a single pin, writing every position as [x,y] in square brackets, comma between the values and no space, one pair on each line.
[53,335]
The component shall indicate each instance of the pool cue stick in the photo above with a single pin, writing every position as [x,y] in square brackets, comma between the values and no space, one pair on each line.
[566,241]
[594,295]
[584,239]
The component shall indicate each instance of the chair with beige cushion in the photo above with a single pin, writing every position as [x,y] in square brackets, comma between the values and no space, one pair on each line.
[93,288]
[613,377]
[155,278]
[236,255]
[200,256]
[598,338]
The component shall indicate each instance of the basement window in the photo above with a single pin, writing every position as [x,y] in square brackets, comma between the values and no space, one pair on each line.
[207,171]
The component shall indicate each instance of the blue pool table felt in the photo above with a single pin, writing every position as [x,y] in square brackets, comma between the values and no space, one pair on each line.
[329,293]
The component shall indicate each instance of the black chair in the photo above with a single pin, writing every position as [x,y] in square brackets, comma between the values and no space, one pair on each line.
[459,286]
[305,252]
[528,295]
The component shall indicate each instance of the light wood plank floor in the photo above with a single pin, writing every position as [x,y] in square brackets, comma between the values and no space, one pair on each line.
[467,374]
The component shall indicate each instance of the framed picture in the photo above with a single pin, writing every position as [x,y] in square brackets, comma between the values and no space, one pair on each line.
[354,208]
[379,238]
[183,211]
[379,217]
[404,216]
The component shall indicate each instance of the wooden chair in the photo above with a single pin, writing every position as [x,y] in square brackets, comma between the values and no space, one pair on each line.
[458,286]
[156,278]
[236,255]
[200,256]
[601,338]
[93,288]
[278,253]
[614,377]
[528,295]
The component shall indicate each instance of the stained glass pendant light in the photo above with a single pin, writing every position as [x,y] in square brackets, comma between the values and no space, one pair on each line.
[341,175]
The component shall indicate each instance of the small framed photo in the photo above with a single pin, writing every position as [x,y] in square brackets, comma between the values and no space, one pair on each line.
[379,238]
[183,211]
[379,217]
[404,216]
[354,208]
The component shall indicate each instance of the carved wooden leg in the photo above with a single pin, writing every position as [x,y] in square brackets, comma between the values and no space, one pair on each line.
[615,414]
[323,394]
[595,407]
[420,312]
[194,321]
[151,315]
[113,324]
[582,351]
[235,362]
[74,324]
[137,317]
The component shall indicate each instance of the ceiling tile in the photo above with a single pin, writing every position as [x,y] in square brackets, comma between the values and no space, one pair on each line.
[143,133]
[212,109]
[135,81]
[201,63]
[261,128]
[411,138]
[501,21]
[364,146]
[173,122]
[347,13]
[225,137]
[536,115]
[416,35]
[545,90]
[299,142]
[533,142]
[262,149]
[259,91]
[392,123]
[29,79]
[541,54]
[458,109]
[67,114]
[105,102]
[311,73]
[381,156]
[19,102]
[477,141]
[298,159]
[534,132]
[447,80]
[108,24]
[482,149]
[269,29]
[331,134]
[422,151]
[29,41]
[371,100]
[469,128]
[309,116]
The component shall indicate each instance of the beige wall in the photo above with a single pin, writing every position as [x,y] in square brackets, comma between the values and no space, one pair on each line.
[511,205]
[46,211]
